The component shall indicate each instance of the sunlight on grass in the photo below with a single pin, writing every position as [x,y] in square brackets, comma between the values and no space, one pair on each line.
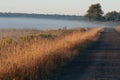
[36,58]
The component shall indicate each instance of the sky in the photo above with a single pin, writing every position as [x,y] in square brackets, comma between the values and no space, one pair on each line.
[67,7]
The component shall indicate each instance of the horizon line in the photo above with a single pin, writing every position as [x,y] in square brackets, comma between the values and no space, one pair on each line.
[42,13]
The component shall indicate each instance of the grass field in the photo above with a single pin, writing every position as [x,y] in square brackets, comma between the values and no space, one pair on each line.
[35,54]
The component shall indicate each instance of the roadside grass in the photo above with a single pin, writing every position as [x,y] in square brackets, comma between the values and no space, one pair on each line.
[36,56]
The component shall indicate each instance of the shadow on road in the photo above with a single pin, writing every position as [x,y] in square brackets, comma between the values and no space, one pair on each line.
[100,61]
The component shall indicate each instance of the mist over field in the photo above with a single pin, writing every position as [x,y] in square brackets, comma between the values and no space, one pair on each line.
[41,23]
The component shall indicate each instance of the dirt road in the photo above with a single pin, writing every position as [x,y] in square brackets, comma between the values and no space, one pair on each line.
[99,62]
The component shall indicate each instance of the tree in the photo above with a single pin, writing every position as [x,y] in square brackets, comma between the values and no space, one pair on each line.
[94,12]
[112,16]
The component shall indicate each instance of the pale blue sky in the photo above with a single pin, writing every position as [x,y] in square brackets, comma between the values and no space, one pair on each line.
[71,7]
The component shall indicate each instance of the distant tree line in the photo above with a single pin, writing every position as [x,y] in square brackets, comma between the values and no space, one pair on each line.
[112,16]
[96,13]
[47,16]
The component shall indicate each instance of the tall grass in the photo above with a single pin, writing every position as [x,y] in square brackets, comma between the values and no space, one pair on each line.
[37,59]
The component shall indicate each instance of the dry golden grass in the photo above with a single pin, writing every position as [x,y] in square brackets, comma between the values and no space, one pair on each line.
[35,60]
[117,28]
[16,33]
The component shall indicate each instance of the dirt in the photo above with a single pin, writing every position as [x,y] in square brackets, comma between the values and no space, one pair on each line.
[101,61]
